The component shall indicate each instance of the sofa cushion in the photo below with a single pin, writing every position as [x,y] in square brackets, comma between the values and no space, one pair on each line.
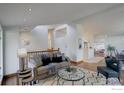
[112,63]
[57,59]
[37,60]
[114,66]
[42,70]
[62,64]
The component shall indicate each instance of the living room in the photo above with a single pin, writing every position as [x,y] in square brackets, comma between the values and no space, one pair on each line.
[83,40]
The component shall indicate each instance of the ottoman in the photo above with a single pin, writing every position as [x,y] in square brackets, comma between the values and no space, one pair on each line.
[113,81]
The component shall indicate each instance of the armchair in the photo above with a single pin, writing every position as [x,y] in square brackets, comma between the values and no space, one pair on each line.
[112,68]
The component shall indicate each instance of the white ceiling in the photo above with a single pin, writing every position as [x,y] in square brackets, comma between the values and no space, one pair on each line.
[108,22]
[45,14]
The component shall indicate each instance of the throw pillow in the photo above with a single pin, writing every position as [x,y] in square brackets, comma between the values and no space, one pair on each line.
[57,58]
[45,59]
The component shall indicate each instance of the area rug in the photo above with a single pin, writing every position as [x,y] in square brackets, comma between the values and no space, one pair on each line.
[91,78]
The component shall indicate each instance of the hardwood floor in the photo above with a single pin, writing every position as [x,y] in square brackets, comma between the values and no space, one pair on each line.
[10,81]
[98,61]
[87,65]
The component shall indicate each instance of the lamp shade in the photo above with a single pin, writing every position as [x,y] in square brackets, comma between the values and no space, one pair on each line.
[22,52]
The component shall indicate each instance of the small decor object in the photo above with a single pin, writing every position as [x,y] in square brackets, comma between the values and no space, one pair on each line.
[26,42]
[80,43]
[70,69]
[22,53]
[90,47]
[85,44]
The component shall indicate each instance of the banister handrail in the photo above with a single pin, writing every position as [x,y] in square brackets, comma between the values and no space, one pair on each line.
[49,50]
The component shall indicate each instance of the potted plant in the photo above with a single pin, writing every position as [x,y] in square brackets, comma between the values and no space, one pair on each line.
[111,50]
[70,69]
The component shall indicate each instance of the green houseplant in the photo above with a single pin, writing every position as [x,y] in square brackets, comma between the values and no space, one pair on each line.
[70,69]
[111,50]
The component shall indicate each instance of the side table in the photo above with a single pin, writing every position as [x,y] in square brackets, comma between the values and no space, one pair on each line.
[24,77]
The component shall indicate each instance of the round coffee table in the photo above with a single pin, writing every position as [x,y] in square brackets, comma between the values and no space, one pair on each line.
[71,73]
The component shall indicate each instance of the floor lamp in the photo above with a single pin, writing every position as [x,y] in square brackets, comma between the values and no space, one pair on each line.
[22,53]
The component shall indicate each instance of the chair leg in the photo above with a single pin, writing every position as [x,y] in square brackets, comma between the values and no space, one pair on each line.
[98,73]
[30,83]
[37,81]
[106,81]
[34,82]
[119,79]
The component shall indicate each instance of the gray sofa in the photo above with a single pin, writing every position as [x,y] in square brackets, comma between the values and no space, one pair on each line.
[48,70]
[48,64]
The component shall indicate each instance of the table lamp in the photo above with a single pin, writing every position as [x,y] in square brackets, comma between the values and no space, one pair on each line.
[22,53]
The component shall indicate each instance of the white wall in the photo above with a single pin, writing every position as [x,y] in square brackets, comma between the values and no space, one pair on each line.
[0,47]
[38,38]
[80,34]
[116,41]
[11,44]
[67,43]
[24,36]
[12,41]
[1,53]
[72,35]
[85,33]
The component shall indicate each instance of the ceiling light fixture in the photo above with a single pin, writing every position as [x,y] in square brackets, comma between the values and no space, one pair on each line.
[30,9]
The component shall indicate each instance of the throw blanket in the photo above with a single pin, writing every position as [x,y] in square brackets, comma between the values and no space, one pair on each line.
[52,68]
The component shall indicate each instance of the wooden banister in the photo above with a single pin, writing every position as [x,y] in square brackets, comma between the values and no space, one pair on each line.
[41,51]
[30,54]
